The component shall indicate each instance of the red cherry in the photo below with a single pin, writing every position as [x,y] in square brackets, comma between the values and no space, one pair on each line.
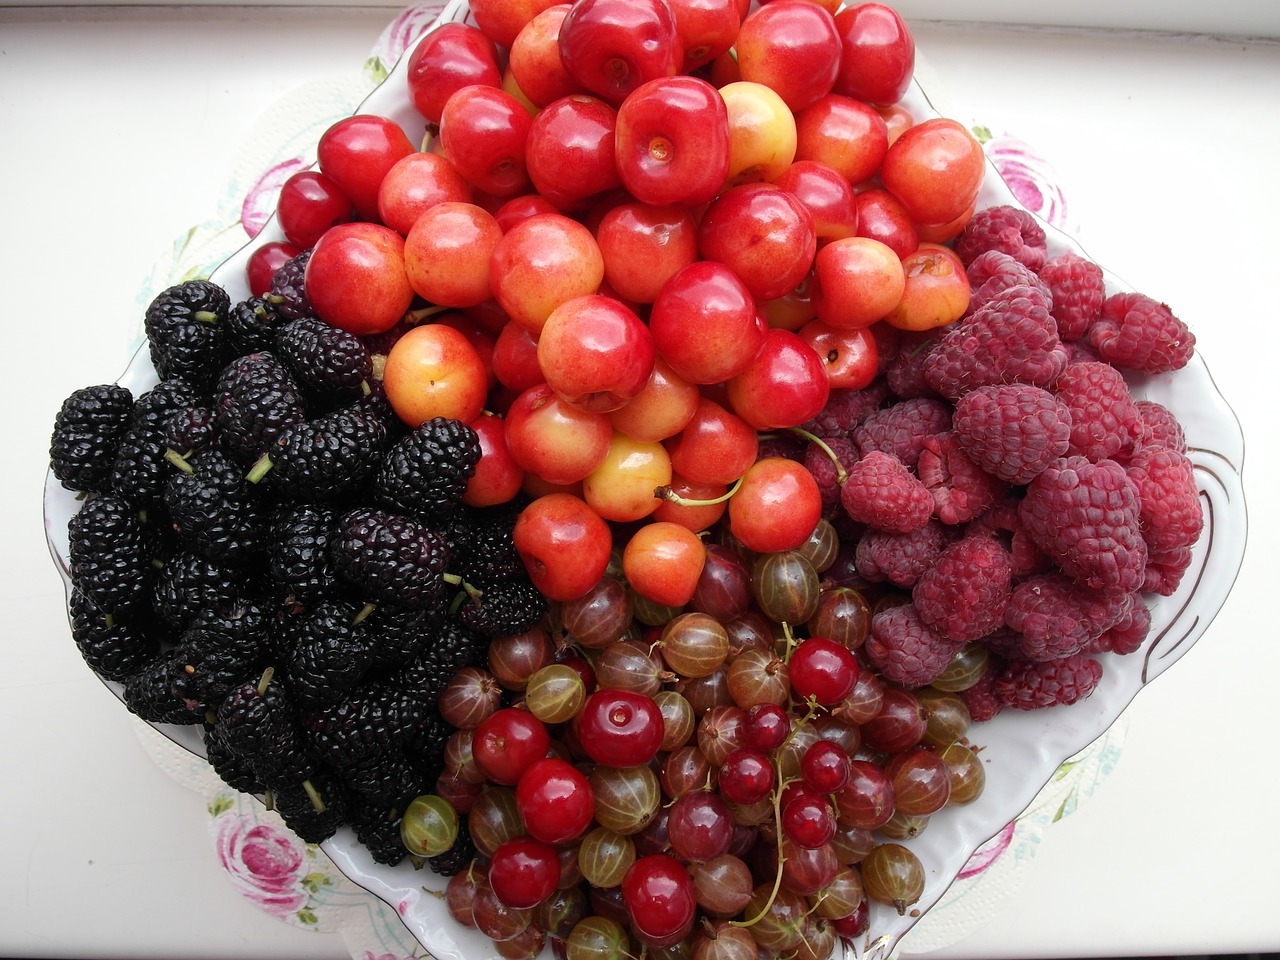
[822,669]
[767,726]
[825,766]
[620,728]
[658,897]
[265,261]
[808,821]
[507,743]
[523,872]
[746,776]
[555,800]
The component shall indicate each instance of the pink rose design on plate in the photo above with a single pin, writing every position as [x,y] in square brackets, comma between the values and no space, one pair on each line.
[1030,177]
[266,863]
[260,202]
[409,24]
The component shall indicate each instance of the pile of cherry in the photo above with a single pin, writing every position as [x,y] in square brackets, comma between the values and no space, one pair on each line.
[638,244]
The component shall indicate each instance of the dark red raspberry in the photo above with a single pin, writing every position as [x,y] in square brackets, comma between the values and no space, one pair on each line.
[1024,685]
[785,444]
[1012,430]
[901,429]
[1103,416]
[1056,617]
[1006,228]
[1010,339]
[1157,426]
[899,558]
[1003,523]
[1128,635]
[905,373]
[904,650]
[1165,570]
[817,459]
[882,493]
[980,699]
[963,595]
[995,271]
[888,342]
[961,489]
[1135,332]
[846,408]
[1086,517]
[1078,289]
[1170,498]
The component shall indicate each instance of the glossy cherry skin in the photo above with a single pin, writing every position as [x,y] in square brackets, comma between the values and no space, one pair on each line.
[507,743]
[309,204]
[450,57]
[555,800]
[523,872]
[784,386]
[658,896]
[746,776]
[356,152]
[619,728]
[610,47]
[878,53]
[822,669]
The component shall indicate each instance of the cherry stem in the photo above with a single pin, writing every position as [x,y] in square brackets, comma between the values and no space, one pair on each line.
[665,492]
[841,473]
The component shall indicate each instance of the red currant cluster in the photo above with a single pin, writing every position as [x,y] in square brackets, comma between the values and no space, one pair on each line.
[714,781]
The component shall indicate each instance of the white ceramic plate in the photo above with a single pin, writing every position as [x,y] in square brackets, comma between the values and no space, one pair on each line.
[1021,750]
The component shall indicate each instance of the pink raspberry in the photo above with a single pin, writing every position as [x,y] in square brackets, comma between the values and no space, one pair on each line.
[905,374]
[845,409]
[964,594]
[1024,685]
[1006,228]
[900,429]
[1128,635]
[995,271]
[899,558]
[1135,332]
[1010,339]
[1012,430]
[1003,522]
[1078,289]
[961,489]
[1170,498]
[981,698]
[904,650]
[1165,570]
[1157,426]
[1086,517]
[1056,617]
[825,470]
[785,444]
[1103,416]
[882,493]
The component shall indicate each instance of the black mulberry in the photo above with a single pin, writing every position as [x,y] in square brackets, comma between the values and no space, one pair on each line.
[391,558]
[255,401]
[86,432]
[327,362]
[186,332]
[108,554]
[426,472]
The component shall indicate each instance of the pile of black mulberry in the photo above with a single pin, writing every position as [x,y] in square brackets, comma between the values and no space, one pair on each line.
[264,549]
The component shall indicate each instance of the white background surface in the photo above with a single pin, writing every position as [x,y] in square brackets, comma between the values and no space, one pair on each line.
[117,129]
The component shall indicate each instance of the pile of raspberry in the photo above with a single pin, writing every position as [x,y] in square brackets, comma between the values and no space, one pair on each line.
[1001,486]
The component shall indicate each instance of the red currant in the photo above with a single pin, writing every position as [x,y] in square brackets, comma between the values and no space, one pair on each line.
[822,669]
[523,872]
[507,743]
[620,728]
[555,800]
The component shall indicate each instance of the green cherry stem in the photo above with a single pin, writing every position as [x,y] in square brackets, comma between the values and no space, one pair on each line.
[665,492]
